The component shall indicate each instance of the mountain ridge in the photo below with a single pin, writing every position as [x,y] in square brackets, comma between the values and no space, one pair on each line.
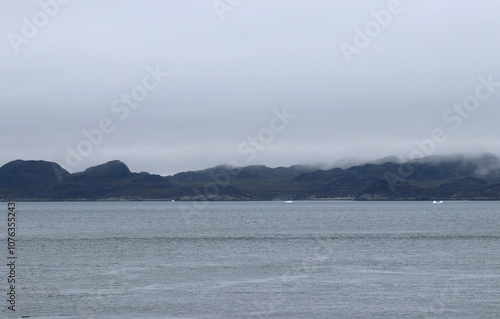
[450,177]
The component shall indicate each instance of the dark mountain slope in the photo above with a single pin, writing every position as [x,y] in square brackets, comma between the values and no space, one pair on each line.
[434,177]
[253,172]
[450,177]
[253,182]
[113,180]
[32,179]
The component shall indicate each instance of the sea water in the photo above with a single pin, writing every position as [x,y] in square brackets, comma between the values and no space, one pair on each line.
[321,259]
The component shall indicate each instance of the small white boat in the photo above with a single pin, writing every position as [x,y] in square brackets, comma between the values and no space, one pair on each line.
[435,202]
[289,201]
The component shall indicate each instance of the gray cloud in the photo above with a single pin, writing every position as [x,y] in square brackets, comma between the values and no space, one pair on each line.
[226,78]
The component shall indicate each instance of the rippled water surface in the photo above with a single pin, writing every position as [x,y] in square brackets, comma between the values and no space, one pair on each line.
[257,260]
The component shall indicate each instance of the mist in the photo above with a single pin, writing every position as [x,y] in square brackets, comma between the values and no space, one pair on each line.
[183,85]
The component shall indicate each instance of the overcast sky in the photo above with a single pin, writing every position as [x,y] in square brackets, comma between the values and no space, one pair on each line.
[274,82]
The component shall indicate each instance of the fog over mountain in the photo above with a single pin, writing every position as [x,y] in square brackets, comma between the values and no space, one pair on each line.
[451,177]
[182,85]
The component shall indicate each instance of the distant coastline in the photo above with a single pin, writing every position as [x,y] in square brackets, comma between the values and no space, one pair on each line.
[453,177]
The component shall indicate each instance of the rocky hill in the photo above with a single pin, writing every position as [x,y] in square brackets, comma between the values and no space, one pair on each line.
[30,179]
[454,177]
